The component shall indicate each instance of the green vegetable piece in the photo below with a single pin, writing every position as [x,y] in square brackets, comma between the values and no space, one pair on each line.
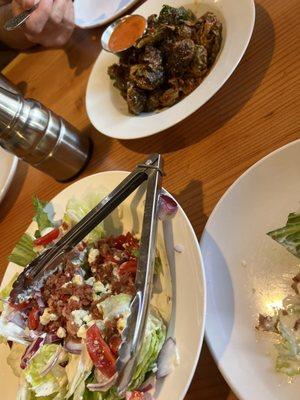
[23,252]
[289,235]
[41,217]
[5,292]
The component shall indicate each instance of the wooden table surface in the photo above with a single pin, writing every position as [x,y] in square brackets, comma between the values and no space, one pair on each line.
[255,112]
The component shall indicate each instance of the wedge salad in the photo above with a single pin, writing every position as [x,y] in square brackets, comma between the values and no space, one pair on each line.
[285,322]
[64,339]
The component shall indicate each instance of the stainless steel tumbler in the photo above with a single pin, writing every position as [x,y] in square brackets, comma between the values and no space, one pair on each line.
[39,137]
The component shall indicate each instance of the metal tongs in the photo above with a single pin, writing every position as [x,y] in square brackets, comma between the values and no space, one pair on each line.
[34,275]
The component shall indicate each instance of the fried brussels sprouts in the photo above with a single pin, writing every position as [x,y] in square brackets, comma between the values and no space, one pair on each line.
[169,61]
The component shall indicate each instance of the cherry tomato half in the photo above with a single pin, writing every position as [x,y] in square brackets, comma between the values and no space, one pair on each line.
[128,267]
[48,238]
[99,351]
[136,395]
[33,318]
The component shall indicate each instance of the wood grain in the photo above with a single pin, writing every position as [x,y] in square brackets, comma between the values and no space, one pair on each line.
[255,112]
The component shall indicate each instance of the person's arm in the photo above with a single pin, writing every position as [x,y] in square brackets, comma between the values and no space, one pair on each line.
[15,39]
[50,25]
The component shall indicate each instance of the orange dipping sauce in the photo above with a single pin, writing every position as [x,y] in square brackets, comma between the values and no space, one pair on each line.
[127,33]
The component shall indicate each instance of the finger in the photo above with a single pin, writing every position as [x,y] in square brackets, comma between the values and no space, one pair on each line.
[63,34]
[58,11]
[69,16]
[56,37]
[39,18]
[27,4]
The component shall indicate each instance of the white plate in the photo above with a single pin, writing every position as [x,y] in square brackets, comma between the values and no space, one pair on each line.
[248,273]
[92,13]
[8,165]
[107,109]
[187,321]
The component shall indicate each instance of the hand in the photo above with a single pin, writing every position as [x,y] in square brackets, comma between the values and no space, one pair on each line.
[51,24]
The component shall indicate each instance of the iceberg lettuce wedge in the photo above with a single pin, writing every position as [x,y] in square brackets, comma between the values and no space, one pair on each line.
[77,209]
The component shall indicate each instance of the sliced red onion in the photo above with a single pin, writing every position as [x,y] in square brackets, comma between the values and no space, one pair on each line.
[52,338]
[17,319]
[167,358]
[72,347]
[103,383]
[51,363]
[40,301]
[167,207]
[136,395]
[149,384]
[33,335]
[31,350]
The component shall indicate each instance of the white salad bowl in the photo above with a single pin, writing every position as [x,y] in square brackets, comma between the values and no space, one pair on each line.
[185,271]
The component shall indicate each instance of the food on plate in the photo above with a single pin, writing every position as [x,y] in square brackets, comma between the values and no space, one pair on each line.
[169,61]
[65,338]
[286,320]
[126,33]
[289,235]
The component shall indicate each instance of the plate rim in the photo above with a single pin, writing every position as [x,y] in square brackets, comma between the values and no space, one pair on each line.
[201,271]
[209,342]
[190,110]
[128,5]
[10,177]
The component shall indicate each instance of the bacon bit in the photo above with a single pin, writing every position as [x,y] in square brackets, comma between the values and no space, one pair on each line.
[65,226]
[267,323]
[297,324]
[296,280]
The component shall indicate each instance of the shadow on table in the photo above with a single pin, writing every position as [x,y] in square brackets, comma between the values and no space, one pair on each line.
[230,99]
[83,49]
[208,382]
[101,146]
[14,189]
[191,199]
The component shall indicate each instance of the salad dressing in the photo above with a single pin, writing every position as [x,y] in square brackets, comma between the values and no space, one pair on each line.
[126,33]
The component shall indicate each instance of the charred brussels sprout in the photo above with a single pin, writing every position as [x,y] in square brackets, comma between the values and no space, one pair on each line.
[136,99]
[174,16]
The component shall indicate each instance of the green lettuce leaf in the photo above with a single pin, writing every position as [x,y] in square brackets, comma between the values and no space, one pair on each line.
[155,337]
[288,361]
[23,252]
[116,305]
[289,235]
[87,395]
[5,292]
[53,383]
[41,216]
[14,358]
[77,209]
[78,369]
